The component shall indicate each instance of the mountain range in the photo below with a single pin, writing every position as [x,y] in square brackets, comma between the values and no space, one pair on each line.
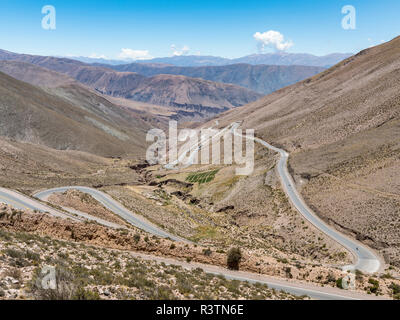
[204,97]
[263,79]
[68,123]
[276,58]
[342,129]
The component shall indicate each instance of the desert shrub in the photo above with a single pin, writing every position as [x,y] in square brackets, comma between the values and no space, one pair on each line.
[395,289]
[161,293]
[5,235]
[13,253]
[136,238]
[82,294]
[331,278]
[65,289]
[102,276]
[184,285]
[359,275]
[18,257]
[14,273]
[69,283]
[339,283]
[233,259]
[207,252]
[283,260]
[375,286]
[288,272]
[34,257]
[63,255]
[233,286]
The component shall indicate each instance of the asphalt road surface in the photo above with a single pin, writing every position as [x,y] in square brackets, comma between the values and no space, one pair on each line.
[115,207]
[366,259]
[22,202]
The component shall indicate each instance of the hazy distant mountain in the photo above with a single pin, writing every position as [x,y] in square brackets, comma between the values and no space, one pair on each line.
[99,60]
[260,78]
[287,59]
[190,61]
[278,58]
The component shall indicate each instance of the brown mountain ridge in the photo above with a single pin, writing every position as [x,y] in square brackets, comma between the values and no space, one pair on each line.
[169,90]
[342,128]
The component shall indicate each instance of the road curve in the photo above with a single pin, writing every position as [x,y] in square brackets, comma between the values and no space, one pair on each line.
[115,207]
[366,259]
[22,202]
[296,288]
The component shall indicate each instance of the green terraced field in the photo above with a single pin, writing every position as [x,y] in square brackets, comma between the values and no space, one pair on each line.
[201,177]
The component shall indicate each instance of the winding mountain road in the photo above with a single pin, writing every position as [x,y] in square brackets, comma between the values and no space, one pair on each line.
[296,288]
[115,207]
[366,259]
[20,201]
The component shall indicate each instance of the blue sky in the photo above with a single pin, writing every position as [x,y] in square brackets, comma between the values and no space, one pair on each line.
[219,27]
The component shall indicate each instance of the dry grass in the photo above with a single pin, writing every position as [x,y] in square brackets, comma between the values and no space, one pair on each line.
[342,128]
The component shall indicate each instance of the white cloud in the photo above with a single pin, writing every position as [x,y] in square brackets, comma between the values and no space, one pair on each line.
[180,52]
[97,56]
[134,54]
[272,39]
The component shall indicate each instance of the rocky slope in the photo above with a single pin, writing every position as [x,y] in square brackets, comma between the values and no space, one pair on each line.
[33,74]
[86,272]
[68,121]
[342,129]
[29,167]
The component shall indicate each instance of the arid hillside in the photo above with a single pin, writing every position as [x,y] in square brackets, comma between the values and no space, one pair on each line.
[29,167]
[191,93]
[70,119]
[68,88]
[34,74]
[342,128]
